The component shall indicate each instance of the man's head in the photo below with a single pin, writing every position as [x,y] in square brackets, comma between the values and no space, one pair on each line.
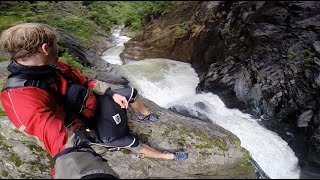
[30,43]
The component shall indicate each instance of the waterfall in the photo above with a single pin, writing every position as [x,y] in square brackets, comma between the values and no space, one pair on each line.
[172,84]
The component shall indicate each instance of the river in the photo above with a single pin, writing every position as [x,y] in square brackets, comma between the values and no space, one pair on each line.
[172,84]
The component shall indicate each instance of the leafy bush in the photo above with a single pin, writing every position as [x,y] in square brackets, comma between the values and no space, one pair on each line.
[46,12]
[129,13]
[77,27]
[73,61]
[83,19]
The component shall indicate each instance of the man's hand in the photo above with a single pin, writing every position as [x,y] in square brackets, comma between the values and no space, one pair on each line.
[121,100]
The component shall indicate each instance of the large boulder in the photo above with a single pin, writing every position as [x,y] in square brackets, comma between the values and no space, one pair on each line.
[213,151]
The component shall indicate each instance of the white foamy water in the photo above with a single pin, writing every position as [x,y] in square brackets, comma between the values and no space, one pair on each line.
[111,55]
[171,83]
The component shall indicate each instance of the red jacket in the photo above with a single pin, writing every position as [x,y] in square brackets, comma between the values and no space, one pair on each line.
[40,114]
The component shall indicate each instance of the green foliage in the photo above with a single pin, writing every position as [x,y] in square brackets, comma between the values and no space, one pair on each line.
[3,59]
[73,61]
[126,151]
[136,25]
[291,54]
[78,27]
[2,81]
[4,173]
[20,12]
[246,154]
[205,153]
[130,13]
[308,56]
[83,21]
[143,137]
[5,147]
[184,26]
[46,12]
[2,113]
[14,158]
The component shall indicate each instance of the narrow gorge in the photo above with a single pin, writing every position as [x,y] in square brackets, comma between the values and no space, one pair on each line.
[236,84]
[259,57]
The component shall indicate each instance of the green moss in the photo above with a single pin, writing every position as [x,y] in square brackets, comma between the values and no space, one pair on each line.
[17,161]
[2,83]
[2,113]
[171,128]
[42,168]
[184,27]
[5,147]
[291,54]
[210,142]
[28,176]
[308,56]
[126,151]
[143,137]
[204,140]
[236,143]
[3,59]
[51,160]
[182,142]
[205,153]
[246,154]
[37,166]
[35,147]
[245,159]
[16,131]
[4,173]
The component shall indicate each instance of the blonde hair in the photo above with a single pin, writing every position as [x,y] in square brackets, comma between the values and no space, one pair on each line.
[22,40]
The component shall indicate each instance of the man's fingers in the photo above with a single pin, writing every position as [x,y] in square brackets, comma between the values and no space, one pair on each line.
[121,100]
[125,103]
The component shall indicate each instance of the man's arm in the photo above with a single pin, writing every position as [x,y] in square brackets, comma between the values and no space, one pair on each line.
[98,87]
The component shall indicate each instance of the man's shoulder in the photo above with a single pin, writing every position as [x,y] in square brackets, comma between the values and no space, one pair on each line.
[25,92]
[62,65]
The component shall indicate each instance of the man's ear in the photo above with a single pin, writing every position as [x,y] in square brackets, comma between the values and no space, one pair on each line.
[44,49]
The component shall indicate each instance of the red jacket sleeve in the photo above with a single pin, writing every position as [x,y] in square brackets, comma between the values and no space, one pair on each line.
[76,75]
[34,112]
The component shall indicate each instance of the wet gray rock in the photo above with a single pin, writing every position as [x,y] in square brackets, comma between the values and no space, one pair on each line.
[20,157]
